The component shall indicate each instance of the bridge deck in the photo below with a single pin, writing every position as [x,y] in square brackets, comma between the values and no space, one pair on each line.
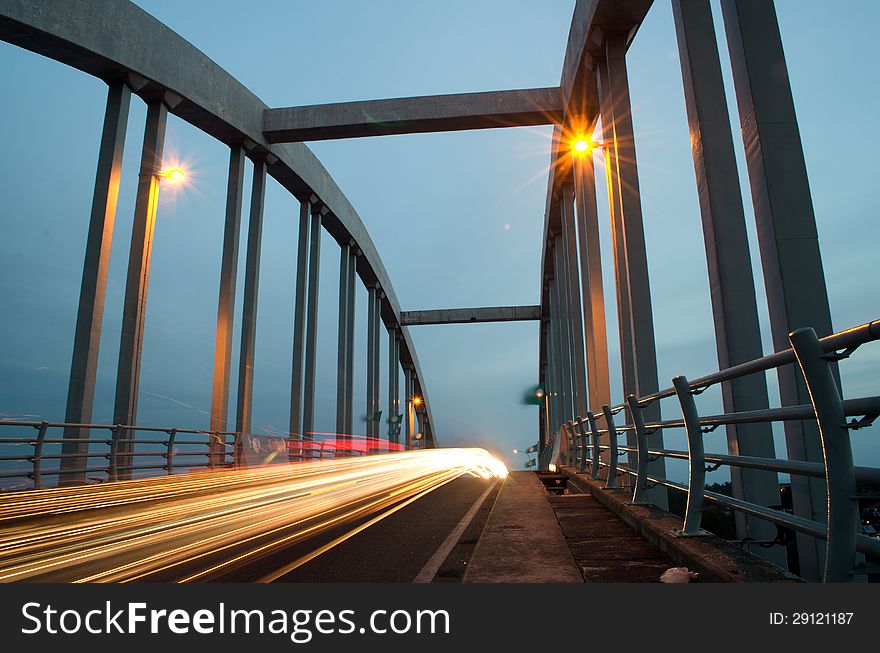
[572,538]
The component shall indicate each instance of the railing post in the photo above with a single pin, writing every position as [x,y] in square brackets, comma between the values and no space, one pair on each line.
[696,461]
[572,452]
[596,452]
[214,442]
[582,461]
[236,450]
[38,454]
[843,515]
[640,494]
[113,471]
[169,452]
[611,481]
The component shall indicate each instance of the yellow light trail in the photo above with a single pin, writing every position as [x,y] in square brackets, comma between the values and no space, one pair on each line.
[199,526]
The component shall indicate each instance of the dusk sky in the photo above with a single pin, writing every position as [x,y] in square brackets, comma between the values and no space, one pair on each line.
[456,217]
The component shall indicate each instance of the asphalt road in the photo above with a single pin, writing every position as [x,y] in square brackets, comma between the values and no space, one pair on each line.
[393,550]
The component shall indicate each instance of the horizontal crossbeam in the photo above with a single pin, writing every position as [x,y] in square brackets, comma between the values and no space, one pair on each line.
[467,315]
[430,113]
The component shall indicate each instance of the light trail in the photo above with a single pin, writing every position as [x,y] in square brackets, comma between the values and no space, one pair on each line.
[203,525]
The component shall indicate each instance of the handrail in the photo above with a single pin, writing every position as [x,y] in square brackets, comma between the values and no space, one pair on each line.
[116,460]
[813,356]
[171,455]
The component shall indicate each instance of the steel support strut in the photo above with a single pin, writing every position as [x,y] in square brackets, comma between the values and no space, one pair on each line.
[308,428]
[137,280]
[226,302]
[788,238]
[734,304]
[251,295]
[625,197]
[299,326]
[343,437]
[90,312]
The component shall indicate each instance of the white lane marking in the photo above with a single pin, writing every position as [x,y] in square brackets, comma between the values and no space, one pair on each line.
[426,575]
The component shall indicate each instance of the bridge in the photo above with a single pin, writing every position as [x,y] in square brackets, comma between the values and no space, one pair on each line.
[124,500]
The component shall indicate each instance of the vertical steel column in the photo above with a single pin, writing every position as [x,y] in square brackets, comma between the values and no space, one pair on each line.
[576,326]
[393,388]
[621,278]
[734,305]
[560,414]
[628,200]
[408,412]
[372,363]
[137,280]
[93,289]
[226,301]
[560,292]
[787,235]
[547,327]
[353,254]
[343,437]
[377,386]
[595,330]
[543,418]
[249,303]
[397,412]
[299,324]
[564,291]
[308,434]
[544,376]
[560,395]
[552,387]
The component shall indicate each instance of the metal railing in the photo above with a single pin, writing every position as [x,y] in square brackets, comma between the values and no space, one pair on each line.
[118,456]
[121,455]
[814,356]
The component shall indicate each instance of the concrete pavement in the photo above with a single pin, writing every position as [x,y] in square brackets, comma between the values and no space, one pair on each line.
[522,541]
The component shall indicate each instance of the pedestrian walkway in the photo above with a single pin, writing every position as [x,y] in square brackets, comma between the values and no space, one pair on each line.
[605,548]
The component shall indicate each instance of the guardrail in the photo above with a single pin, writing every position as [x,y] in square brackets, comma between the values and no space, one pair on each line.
[584,447]
[121,455]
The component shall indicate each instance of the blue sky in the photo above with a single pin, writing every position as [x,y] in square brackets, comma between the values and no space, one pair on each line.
[457,218]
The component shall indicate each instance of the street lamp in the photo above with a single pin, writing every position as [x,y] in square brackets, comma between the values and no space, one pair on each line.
[584,145]
[528,452]
[175,175]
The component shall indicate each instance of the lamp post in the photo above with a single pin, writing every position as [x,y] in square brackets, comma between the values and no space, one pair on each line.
[528,453]
[413,403]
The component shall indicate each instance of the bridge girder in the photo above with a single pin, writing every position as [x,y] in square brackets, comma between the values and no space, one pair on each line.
[414,115]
